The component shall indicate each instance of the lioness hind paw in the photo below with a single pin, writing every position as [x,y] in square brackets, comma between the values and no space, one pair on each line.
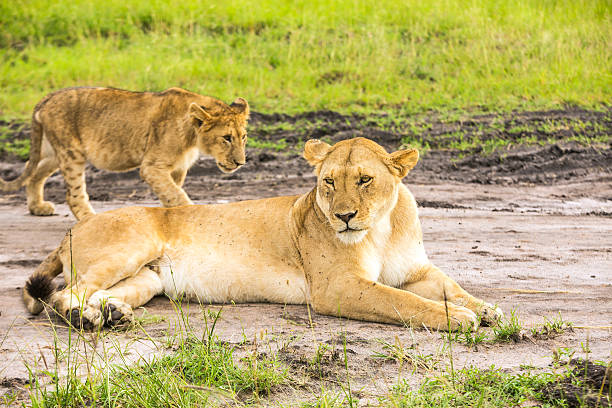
[87,319]
[117,313]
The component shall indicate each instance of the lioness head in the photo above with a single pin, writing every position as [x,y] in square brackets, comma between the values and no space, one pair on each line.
[357,183]
[221,132]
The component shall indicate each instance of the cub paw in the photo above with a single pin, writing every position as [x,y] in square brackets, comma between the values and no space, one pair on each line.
[117,313]
[42,209]
[491,314]
[87,319]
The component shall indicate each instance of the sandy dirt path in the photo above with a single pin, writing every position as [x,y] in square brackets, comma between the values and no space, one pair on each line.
[500,243]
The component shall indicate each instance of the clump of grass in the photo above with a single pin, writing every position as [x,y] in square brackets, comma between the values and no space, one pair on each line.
[201,371]
[145,318]
[406,354]
[508,329]
[552,327]
[326,400]
[470,387]
[470,336]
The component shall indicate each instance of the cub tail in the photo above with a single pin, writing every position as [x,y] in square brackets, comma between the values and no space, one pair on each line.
[40,287]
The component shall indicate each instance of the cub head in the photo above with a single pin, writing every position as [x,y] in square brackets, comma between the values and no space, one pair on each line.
[221,132]
[357,183]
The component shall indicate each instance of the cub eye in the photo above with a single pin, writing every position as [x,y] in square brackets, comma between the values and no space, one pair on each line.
[228,138]
[365,179]
[329,181]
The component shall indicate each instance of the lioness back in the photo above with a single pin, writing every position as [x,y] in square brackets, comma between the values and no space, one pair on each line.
[118,130]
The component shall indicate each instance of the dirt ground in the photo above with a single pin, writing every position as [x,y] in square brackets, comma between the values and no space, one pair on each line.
[529,228]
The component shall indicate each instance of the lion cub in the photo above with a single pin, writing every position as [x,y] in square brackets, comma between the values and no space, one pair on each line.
[160,132]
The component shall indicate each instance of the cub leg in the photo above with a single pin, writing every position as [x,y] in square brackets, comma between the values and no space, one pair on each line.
[178,175]
[432,284]
[36,184]
[163,185]
[116,302]
[73,170]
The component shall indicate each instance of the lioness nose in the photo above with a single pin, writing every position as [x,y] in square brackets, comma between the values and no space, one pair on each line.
[346,217]
[239,163]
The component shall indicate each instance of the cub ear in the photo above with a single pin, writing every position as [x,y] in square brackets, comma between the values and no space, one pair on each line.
[403,161]
[241,106]
[198,113]
[315,151]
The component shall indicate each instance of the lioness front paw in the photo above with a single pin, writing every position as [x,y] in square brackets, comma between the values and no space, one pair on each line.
[117,313]
[88,318]
[491,314]
[453,319]
[462,318]
[43,208]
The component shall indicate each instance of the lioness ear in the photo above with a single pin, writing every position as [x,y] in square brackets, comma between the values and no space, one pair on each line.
[315,151]
[241,106]
[198,113]
[403,161]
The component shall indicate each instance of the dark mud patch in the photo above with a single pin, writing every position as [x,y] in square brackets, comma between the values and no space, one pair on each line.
[535,148]
[22,263]
[13,382]
[586,385]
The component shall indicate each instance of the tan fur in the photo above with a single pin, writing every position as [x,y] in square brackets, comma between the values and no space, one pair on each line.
[117,130]
[371,266]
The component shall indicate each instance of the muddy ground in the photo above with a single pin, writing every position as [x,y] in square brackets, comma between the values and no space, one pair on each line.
[528,226]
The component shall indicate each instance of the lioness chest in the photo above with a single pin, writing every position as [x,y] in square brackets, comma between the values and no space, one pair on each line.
[391,260]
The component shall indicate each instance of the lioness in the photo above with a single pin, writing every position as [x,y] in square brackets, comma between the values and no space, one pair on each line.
[351,247]
[117,130]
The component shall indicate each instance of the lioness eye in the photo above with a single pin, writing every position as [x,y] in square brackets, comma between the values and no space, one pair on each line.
[365,179]
[329,181]
[228,138]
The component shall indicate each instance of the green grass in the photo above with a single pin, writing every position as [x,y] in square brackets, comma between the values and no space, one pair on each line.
[508,329]
[409,355]
[278,145]
[200,371]
[12,145]
[472,387]
[552,327]
[348,55]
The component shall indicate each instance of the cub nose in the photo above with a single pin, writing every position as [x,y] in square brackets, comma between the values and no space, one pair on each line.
[346,217]
[239,162]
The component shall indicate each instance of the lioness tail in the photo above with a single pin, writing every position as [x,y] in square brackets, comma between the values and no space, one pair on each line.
[39,286]
[35,149]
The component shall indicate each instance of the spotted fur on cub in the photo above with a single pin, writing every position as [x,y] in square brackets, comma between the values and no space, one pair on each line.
[162,133]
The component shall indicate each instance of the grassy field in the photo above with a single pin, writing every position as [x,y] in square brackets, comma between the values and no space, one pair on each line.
[348,55]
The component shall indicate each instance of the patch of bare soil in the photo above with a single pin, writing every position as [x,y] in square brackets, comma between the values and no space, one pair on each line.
[528,228]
